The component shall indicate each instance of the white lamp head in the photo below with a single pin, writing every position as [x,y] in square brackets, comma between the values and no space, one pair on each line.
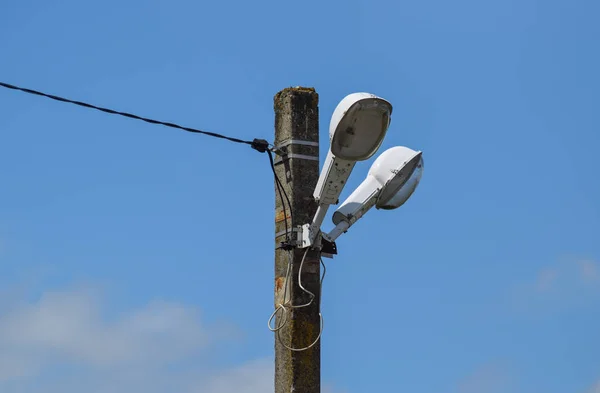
[392,179]
[399,169]
[358,126]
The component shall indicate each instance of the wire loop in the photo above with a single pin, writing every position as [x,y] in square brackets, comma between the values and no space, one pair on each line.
[287,305]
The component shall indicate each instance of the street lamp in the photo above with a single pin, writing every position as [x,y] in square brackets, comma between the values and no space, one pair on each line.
[356,131]
[392,179]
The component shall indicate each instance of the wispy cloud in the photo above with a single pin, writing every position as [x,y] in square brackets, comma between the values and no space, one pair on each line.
[590,272]
[595,388]
[65,342]
[546,279]
[568,283]
[501,377]
[568,275]
[252,377]
[492,377]
[69,326]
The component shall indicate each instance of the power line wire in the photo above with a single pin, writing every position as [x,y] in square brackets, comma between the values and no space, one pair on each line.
[282,195]
[258,144]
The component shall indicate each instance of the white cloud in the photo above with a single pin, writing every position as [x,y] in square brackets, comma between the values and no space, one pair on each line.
[595,388]
[68,326]
[589,271]
[546,279]
[568,275]
[571,283]
[253,377]
[66,343]
[488,378]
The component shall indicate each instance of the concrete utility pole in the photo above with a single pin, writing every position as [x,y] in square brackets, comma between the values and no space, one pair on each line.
[297,133]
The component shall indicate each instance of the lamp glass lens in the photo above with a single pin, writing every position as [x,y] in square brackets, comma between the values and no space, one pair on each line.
[400,189]
[360,132]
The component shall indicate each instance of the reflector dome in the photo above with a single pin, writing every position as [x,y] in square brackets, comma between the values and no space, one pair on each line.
[358,126]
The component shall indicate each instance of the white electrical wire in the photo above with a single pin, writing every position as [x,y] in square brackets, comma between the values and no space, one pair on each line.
[286,304]
[312,295]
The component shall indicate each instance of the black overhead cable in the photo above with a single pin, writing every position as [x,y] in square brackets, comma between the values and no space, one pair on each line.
[282,194]
[258,144]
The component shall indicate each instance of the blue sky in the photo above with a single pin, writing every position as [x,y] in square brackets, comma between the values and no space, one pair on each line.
[137,257]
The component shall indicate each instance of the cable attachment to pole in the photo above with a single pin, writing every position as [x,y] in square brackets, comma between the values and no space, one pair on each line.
[260,145]
[287,245]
